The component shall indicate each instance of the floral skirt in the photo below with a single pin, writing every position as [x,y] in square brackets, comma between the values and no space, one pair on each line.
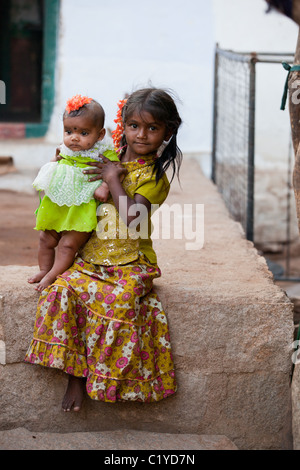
[105,323]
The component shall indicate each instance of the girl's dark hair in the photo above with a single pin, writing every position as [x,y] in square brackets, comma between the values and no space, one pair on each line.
[161,106]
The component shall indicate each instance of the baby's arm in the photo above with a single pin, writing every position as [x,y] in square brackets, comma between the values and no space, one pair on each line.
[101,193]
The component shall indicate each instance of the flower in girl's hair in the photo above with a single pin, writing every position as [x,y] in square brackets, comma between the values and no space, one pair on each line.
[118,132]
[76,102]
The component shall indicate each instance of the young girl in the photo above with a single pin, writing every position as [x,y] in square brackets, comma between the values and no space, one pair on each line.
[67,213]
[101,322]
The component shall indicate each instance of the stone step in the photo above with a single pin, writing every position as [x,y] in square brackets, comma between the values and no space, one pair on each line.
[231,330]
[22,439]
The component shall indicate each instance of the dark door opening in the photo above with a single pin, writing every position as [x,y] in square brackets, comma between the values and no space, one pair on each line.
[21,58]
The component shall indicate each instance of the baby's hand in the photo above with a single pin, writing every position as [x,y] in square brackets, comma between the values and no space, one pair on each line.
[57,156]
[102,193]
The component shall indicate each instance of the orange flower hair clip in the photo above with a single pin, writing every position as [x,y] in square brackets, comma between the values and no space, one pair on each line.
[118,132]
[76,102]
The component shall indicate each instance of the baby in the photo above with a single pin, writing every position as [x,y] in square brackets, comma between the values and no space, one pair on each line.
[67,213]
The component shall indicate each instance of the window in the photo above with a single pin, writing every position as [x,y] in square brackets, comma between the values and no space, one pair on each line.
[27,62]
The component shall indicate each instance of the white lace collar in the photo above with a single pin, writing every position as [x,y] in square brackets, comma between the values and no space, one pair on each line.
[99,147]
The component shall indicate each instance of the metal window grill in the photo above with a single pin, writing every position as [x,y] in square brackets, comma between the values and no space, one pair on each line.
[234,130]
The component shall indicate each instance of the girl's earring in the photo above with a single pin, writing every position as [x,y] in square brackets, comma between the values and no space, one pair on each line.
[164,145]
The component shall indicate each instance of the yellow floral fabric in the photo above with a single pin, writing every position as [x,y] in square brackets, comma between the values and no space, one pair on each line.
[113,243]
[107,324]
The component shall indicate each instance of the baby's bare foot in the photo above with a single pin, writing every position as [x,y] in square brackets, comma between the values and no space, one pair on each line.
[37,277]
[45,282]
[74,394]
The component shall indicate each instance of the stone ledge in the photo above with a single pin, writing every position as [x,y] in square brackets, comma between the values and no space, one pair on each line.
[22,439]
[208,313]
[231,329]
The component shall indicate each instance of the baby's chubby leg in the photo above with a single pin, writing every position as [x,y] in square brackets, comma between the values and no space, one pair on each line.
[48,241]
[68,246]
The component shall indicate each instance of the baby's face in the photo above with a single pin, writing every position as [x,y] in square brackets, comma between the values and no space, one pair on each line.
[80,133]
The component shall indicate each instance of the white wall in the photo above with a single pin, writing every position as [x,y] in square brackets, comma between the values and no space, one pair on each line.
[244,25]
[110,48]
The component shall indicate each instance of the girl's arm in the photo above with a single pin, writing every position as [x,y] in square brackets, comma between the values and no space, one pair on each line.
[128,208]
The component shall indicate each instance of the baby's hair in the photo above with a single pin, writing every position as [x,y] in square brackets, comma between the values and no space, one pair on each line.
[93,109]
[160,104]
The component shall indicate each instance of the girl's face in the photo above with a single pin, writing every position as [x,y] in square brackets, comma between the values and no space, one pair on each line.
[144,135]
[80,133]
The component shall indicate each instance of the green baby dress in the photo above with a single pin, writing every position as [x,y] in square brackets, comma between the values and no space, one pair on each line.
[68,203]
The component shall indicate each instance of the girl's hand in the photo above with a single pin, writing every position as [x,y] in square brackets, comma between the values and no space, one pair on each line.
[112,174]
[106,170]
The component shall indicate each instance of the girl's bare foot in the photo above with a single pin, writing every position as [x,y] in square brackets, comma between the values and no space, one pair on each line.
[74,395]
[37,277]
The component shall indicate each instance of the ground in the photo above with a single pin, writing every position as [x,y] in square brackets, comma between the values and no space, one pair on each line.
[18,239]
